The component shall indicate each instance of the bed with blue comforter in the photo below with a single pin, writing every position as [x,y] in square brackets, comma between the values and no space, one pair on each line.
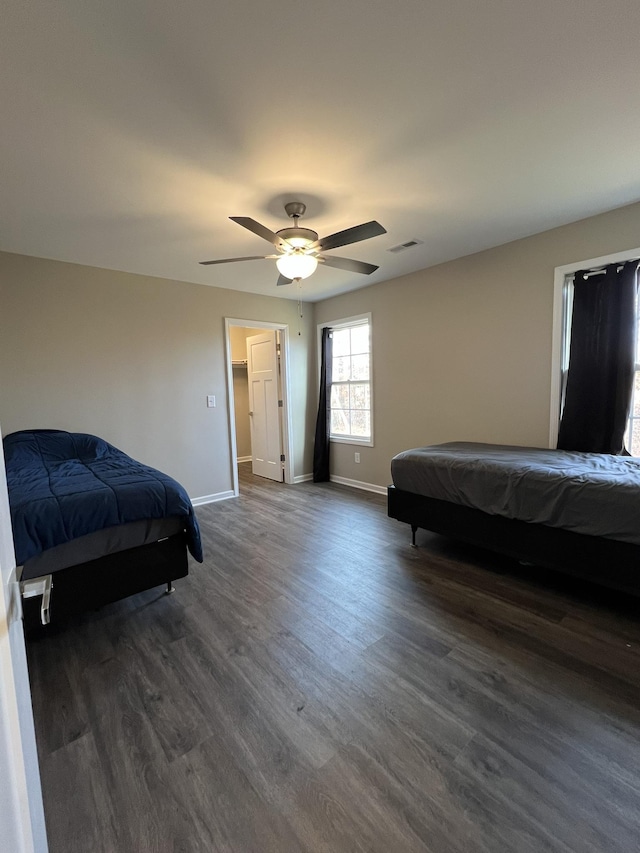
[82,506]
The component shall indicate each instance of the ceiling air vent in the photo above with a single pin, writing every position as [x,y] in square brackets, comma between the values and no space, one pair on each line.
[402,247]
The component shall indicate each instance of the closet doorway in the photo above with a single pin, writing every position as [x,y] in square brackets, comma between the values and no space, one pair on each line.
[260,431]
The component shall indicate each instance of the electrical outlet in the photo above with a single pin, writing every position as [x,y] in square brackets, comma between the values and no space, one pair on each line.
[356,456]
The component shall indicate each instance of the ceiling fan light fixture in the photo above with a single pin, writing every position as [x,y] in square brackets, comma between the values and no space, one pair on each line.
[297,265]
[299,242]
[300,250]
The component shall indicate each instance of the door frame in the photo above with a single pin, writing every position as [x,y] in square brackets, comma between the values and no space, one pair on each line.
[287,429]
[22,825]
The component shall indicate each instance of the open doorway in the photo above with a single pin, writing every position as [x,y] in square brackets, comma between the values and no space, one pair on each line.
[259,395]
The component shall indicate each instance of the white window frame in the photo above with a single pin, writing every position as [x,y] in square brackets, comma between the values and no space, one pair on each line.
[633,423]
[334,325]
[562,282]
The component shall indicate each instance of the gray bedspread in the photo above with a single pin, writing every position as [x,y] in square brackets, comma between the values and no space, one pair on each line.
[591,493]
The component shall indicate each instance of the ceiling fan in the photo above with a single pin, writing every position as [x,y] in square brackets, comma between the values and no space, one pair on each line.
[300,250]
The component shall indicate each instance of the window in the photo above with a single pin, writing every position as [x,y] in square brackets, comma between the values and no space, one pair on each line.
[351,381]
[632,434]
[567,310]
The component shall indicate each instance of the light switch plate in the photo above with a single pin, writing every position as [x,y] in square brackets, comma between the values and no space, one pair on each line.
[211,401]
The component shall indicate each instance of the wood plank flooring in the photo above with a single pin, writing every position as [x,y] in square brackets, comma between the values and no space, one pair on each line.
[317,685]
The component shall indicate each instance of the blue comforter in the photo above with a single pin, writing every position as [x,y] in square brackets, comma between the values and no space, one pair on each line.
[63,485]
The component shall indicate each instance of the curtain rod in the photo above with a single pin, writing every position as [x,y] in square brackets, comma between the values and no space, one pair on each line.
[600,270]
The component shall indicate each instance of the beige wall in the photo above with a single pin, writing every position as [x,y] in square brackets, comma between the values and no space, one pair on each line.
[238,339]
[241,404]
[462,351]
[132,358]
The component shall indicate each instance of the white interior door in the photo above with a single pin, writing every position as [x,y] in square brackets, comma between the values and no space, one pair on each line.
[264,414]
[22,828]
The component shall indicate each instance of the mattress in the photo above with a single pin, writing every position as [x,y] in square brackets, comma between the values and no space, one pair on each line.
[94,545]
[590,493]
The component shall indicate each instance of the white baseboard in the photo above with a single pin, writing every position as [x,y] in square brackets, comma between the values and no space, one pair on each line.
[244,459]
[211,499]
[358,484]
[301,478]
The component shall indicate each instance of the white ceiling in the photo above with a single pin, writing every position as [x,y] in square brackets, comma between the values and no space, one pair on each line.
[132,129]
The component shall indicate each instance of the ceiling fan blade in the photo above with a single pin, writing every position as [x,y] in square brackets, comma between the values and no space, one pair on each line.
[349,264]
[261,231]
[350,235]
[234,260]
[283,280]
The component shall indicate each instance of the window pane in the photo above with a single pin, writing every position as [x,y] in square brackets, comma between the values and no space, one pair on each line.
[635,411]
[360,367]
[360,339]
[360,397]
[340,396]
[340,422]
[351,389]
[360,424]
[341,369]
[341,342]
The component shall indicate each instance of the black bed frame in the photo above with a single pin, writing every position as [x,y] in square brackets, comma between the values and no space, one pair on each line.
[91,585]
[603,561]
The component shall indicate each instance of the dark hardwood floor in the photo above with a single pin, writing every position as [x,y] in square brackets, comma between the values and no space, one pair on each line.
[318,685]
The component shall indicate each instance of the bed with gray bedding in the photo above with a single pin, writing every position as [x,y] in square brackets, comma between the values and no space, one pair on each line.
[577,512]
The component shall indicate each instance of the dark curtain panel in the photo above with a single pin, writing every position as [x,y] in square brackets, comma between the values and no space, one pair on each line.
[601,361]
[323,424]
